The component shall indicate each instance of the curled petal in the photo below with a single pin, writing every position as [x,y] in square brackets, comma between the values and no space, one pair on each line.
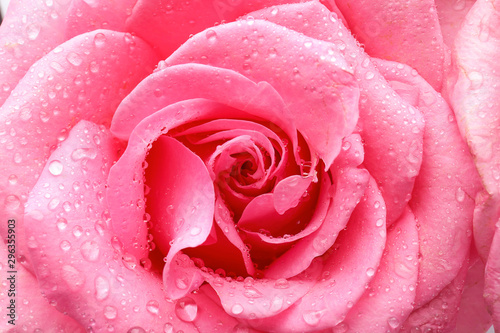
[72,247]
[384,146]
[324,111]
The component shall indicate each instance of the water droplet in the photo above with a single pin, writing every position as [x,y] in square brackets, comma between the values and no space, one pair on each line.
[211,36]
[153,307]
[136,329]
[370,272]
[237,309]
[369,75]
[65,245]
[195,231]
[94,67]
[281,284]
[460,195]
[72,277]
[182,283]
[393,322]
[116,244]
[61,223]
[276,303]
[168,328]
[81,153]
[12,202]
[77,231]
[53,203]
[129,261]
[250,20]
[57,66]
[186,309]
[476,79]
[308,44]
[101,285]
[110,312]
[312,317]
[251,292]
[12,179]
[99,39]
[74,59]
[32,31]
[55,167]
[376,204]
[90,250]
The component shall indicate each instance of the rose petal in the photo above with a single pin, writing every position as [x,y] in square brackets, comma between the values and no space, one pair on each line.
[128,171]
[492,279]
[342,197]
[440,314]
[31,307]
[324,112]
[190,81]
[168,24]
[71,247]
[472,314]
[251,298]
[418,45]
[475,96]
[451,16]
[77,80]
[181,202]
[383,145]
[388,300]
[357,250]
[443,198]
[85,15]
[40,27]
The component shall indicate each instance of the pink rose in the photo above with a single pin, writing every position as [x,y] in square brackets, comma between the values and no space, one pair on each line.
[287,167]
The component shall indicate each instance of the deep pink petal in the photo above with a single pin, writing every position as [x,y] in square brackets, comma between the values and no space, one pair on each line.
[341,198]
[384,146]
[443,198]
[191,81]
[78,268]
[251,298]
[31,307]
[85,16]
[320,92]
[167,24]
[356,251]
[396,32]
[492,279]
[472,313]
[78,80]
[180,201]
[440,314]
[388,300]
[40,27]
[126,180]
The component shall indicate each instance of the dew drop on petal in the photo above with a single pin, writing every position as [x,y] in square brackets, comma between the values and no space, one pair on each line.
[12,202]
[370,272]
[393,322]
[186,309]
[90,250]
[168,328]
[369,75]
[211,36]
[73,277]
[99,39]
[55,167]
[153,307]
[61,223]
[110,312]
[136,329]
[237,309]
[312,317]
[65,245]
[281,284]
[460,195]
[74,58]
[101,285]
[195,231]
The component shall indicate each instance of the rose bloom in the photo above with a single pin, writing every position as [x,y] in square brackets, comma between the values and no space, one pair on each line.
[250,166]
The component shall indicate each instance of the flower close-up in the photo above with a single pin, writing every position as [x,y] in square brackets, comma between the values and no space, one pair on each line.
[250,166]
